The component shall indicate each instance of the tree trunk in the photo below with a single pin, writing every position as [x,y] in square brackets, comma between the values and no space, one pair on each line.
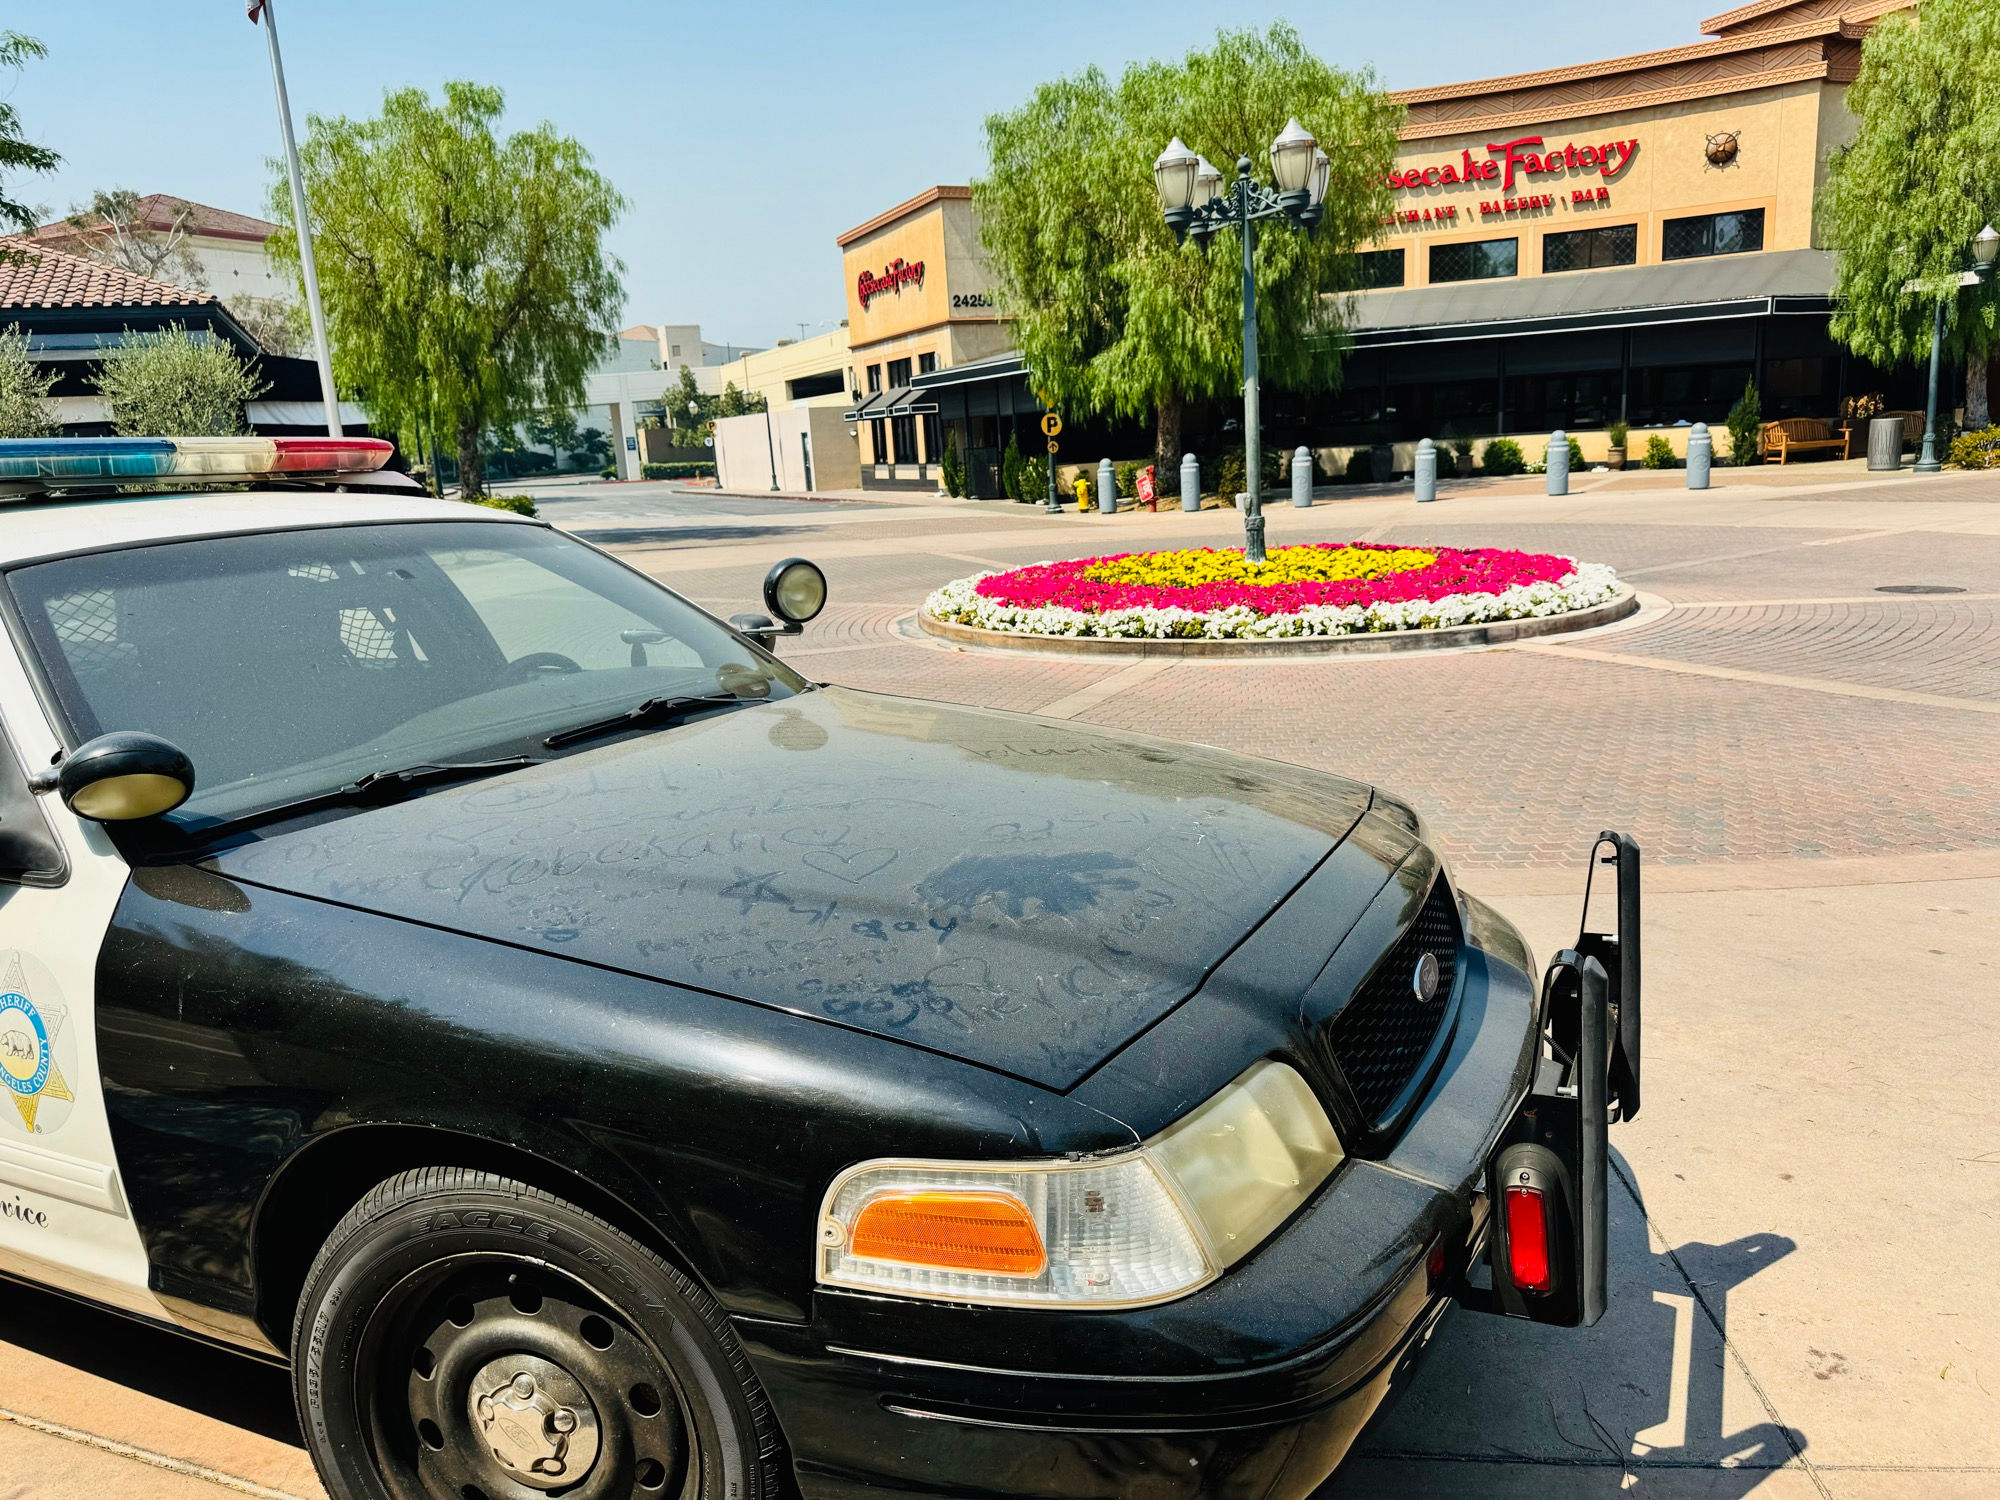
[1978,392]
[471,475]
[1167,443]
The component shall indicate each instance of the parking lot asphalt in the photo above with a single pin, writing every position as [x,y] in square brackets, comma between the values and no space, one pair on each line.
[1803,1216]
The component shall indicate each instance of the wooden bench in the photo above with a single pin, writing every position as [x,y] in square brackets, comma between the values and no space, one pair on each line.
[1800,435]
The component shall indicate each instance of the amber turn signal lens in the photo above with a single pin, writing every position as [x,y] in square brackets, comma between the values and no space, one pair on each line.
[989,1232]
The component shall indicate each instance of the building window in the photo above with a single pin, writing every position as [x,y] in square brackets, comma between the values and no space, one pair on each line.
[874,378]
[1591,249]
[899,373]
[926,363]
[673,351]
[1480,260]
[878,432]
[1737,233]
[1380,268]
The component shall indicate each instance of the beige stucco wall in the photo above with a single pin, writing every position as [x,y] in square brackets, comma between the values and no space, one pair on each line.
[1782,133]
[769,372]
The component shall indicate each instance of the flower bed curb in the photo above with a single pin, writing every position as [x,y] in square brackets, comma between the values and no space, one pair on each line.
[1365,643]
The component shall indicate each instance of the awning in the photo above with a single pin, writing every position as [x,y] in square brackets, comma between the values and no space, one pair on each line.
[1731,286]
[903,401]
[994,367]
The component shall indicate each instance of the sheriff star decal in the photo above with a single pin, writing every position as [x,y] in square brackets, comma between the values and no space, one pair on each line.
[33,1047]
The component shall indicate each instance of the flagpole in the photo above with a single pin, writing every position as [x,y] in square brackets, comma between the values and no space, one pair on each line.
[328,393]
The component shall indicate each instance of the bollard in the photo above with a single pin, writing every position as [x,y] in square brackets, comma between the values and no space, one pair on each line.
[1190,482]
[1427,470]
[1302,478]
[1107,487]
[1701,452]
[1558,462]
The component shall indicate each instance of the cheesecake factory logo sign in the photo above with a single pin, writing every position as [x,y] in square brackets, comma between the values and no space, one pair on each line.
[895,276]
[1517,173]
[37,1046]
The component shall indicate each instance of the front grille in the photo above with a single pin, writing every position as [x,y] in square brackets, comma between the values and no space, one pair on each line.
[1380,1038]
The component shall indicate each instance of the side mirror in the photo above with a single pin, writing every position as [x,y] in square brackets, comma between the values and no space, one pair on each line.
[119,777]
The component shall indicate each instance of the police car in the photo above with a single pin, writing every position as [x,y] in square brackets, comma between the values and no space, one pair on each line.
[601,1061]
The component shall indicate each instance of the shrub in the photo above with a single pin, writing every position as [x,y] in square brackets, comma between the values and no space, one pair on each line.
[609,471]
[1230,474]
[25,408]
[1360,467]
[677,471]
[1127,475]
[951,469]
[1976,450]
[1617,432]
[521,505]
[1575,459]
[1010,470]
[1746,424]
[1032,476]
[1659,453]
[1503,456]
[173,384]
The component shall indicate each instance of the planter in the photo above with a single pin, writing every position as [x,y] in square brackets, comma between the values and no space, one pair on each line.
[1464,466]
[1615,459]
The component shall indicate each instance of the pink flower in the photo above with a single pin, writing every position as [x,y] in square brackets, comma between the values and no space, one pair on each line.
[1478,570]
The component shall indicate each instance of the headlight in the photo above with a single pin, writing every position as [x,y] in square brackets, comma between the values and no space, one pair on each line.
[1144,1226]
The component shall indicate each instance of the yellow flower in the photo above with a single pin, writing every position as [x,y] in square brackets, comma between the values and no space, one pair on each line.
[1196,566]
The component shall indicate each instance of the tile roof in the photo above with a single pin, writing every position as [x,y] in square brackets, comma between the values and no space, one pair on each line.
[160,210]
[44,277]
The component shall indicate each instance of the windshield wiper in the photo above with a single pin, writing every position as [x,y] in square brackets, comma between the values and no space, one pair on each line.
[651,710]
[387,783]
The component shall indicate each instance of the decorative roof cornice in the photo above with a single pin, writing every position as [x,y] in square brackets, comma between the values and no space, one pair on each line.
[1619,104]
[901,211]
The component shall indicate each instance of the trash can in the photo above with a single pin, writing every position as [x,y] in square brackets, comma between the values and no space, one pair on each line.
[1885,443]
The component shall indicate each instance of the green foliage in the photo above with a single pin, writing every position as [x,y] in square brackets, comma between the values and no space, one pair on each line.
[677,471]
[1109,314]
[25,408]
[1905,198]
[1126,478]
[1503,456]
[609,471]
[1617,432]
[733,403]
[1976,450]
[465,277]
[1746,426]
[521,505]
[1659,453]
[17,154]
[951,468]
[174,384]
[1575,457]
[1230,473]
[1360,467]
[1034,479]
[591,449]
[1010,470]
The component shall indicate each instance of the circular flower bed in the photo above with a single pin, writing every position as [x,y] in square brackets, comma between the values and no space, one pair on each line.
[1323,589]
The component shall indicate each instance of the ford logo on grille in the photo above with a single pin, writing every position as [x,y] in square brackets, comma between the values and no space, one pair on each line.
[1424,978]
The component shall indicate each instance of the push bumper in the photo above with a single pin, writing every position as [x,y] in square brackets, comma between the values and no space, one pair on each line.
[1254,1386]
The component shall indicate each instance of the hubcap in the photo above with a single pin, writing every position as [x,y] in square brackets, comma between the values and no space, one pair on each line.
[536,1418]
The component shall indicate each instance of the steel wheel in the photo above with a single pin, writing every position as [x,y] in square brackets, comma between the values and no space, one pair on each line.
[462,1337]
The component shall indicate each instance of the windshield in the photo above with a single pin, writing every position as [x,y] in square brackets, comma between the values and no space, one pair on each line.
[291,663]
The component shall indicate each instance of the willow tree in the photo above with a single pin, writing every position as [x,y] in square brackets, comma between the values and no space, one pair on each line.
[1110,315]
[1905,198]
[17,152]
[466,282]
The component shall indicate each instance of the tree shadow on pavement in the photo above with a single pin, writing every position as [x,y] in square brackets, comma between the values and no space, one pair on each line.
[1651,1401]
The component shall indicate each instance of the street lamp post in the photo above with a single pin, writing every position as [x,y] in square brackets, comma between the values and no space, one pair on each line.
[1194,201]
[1985,251]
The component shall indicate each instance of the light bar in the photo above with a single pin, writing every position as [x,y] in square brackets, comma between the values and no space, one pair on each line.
[55,462]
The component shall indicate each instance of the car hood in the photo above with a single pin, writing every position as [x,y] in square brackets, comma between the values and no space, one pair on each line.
[1019,893]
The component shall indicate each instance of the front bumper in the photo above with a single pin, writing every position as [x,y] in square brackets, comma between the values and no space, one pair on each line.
[1256,1385]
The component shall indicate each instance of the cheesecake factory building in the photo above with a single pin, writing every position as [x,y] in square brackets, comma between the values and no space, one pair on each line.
[1631,240]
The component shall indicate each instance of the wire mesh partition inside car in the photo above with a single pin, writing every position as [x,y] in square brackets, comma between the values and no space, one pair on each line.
[1381,1036]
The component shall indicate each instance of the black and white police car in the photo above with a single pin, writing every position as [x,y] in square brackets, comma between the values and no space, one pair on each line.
[601,1062]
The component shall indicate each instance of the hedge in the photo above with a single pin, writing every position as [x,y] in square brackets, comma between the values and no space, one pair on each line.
[677,471]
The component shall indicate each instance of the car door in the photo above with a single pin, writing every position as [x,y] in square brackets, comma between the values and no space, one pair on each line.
[64,1218]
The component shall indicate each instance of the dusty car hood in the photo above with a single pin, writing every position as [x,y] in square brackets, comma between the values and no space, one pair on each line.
[1015,892]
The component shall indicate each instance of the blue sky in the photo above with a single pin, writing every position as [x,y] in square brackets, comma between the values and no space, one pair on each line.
[746,135]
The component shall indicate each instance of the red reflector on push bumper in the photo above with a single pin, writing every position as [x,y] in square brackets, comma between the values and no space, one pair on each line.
[1529,1264]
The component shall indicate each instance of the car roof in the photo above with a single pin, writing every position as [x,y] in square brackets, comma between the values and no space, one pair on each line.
[45,528]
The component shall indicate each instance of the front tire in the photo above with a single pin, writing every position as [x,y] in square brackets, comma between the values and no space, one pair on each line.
[462,1336]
